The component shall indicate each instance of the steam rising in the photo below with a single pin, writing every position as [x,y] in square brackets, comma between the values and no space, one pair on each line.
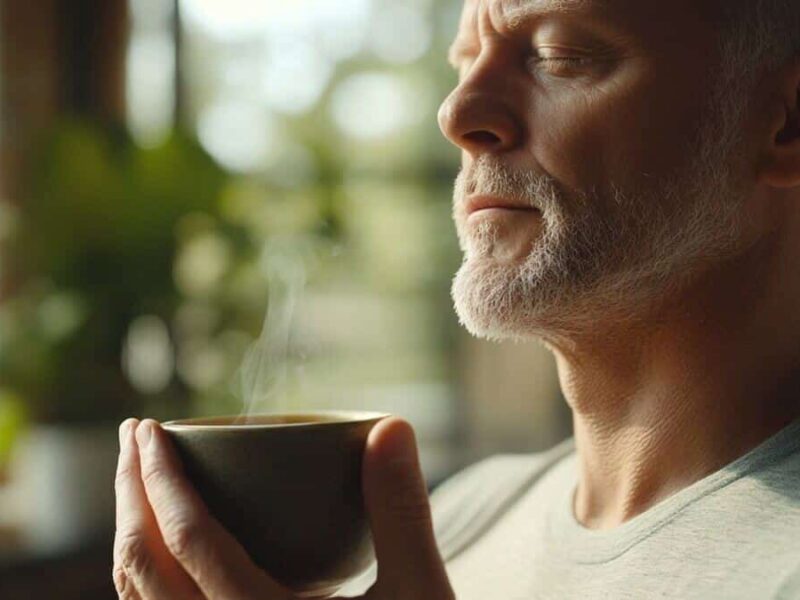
[263,374]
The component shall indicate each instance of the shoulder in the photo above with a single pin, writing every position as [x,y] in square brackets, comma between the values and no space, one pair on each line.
[789,587]
[472,500]
[497,474]
[492,476]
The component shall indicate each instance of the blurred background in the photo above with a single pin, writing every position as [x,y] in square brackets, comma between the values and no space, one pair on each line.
[172,169]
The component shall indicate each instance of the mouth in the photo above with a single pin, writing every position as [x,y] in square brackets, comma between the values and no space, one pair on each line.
[480,204]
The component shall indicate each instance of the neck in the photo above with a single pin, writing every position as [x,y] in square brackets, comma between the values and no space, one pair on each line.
[657,408]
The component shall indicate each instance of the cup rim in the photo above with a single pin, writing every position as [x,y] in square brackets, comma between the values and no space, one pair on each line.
[339,417]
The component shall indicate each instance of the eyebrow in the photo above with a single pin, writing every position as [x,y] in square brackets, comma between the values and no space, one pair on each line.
[515,14]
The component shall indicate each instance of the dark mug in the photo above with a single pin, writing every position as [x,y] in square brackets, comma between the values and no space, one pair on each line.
[288,487]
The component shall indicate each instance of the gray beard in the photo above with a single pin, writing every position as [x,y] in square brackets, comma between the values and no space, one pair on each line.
[598,259]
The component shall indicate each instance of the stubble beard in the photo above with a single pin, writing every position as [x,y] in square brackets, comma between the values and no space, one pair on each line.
[599,260]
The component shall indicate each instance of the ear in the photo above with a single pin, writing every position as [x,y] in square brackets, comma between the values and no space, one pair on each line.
[781,165]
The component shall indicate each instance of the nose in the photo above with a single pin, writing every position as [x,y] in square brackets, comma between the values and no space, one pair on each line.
[479,121]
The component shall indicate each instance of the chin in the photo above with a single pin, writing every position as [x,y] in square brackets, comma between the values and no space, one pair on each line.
[492,300]
[531,300]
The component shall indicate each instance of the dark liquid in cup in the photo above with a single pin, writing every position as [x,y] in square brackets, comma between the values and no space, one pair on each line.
[293,419]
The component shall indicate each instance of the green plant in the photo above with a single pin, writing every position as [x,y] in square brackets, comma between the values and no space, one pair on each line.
[12,420]
[93,250]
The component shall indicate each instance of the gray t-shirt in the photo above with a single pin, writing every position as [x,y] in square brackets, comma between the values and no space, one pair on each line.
[506,530]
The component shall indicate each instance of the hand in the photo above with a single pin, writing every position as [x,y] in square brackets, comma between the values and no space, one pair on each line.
[168,547]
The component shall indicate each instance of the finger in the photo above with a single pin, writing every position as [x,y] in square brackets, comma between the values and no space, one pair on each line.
[212,557]
[126,468]
[399,514]
[143,568]
[124,585]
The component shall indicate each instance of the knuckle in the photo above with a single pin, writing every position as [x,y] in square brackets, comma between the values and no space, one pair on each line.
[154,474]
[124,475]
[181,535]
[122,584]
[134,559]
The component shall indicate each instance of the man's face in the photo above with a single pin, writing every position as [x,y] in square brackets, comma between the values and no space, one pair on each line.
[596,159]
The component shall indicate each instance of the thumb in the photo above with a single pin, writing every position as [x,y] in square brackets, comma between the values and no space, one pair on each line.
[399,514]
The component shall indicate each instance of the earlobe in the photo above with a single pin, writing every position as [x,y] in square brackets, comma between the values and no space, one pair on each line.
[791,126]
[781,165]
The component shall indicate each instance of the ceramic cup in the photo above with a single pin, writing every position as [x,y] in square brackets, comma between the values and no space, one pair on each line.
[288,487]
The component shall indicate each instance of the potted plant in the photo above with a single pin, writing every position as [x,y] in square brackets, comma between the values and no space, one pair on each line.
[92,255]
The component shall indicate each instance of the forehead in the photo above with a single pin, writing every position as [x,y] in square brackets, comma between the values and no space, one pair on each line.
[509,11]
[511,6]
[642,14]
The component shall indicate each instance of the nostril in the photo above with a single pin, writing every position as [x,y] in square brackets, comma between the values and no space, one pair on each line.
[482,137]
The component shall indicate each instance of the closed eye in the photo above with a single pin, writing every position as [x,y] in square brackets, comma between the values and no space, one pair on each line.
[562,66]
[572,61]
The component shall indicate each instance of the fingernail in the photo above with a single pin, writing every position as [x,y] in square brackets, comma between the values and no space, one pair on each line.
[125,433]
[144,433]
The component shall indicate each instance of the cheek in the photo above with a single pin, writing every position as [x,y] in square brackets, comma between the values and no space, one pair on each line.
[626,130]
[568,142]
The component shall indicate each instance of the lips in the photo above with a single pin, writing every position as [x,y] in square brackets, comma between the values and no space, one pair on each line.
[476,204]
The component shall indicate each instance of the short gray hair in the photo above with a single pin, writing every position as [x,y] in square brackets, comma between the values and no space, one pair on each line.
[758,36]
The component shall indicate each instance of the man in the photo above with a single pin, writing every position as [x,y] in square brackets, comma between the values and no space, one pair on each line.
[630,194]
